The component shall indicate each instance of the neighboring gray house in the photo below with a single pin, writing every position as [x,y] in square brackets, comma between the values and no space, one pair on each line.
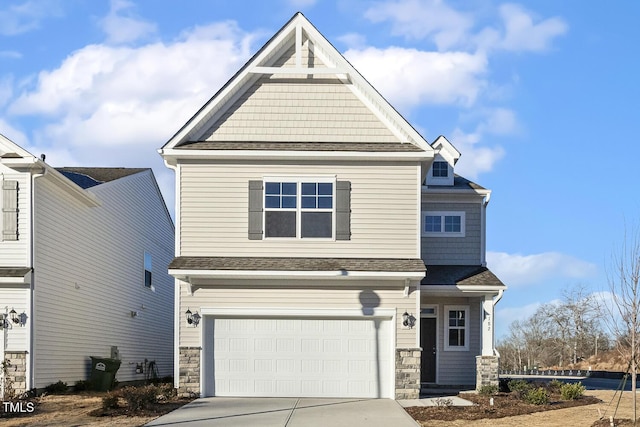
[306,210]
[83,270]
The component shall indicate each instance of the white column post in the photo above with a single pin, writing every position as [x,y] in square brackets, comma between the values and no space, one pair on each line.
[487,325]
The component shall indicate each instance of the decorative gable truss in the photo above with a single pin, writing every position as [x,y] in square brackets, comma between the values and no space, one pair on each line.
[297,60]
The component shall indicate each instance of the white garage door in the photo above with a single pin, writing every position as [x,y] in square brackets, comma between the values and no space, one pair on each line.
[302,357]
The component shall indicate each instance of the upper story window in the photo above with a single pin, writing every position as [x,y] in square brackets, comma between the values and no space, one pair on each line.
[457,328]
[147,271]
[299,208]
[440,169]
[443,224]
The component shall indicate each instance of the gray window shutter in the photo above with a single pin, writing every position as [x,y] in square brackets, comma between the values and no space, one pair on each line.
[343,210]
[9,210]
[255,210]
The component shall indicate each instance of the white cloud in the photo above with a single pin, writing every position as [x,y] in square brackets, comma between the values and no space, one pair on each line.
[104,101]
[124,29]
[522,34]
[354,40]
[516,29]
[522,270]
[411,77]
[417,19]
[21,18]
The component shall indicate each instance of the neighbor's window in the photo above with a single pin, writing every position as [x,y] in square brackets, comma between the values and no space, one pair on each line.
[457,328]
[147,270]
[440,169]
[444,224]
[300,208]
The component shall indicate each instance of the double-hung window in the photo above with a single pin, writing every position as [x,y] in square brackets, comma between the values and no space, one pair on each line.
[457,328]
[443,224]
[299,208]
[440,170]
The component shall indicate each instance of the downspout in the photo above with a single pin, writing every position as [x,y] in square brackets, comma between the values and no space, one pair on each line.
[176,287]
[493,331]
[32,288]
[483,234]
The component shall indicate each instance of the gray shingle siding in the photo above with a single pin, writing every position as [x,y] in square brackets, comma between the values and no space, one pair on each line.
[454,250]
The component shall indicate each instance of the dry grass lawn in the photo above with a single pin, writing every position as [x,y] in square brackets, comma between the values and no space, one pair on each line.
[578,416]
[74,410]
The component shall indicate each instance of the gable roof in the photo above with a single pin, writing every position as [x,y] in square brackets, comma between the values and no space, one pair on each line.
[446,150]
[262,63]
[90,177]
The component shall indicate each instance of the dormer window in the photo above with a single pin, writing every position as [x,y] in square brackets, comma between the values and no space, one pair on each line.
[440,170]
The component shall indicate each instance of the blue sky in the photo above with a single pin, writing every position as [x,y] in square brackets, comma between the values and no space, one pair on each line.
[541,97]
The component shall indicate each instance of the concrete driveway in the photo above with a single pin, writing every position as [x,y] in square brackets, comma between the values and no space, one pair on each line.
[287,412]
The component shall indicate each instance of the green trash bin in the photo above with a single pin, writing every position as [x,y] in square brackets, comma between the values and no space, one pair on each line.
[103,372]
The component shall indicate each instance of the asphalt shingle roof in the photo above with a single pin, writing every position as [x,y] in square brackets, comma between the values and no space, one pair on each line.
[466,275]
[298,264]
[90,177]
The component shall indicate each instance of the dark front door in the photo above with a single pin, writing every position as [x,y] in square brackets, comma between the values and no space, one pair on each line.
[428,344]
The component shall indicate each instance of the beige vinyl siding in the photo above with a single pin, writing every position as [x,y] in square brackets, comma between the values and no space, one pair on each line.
[455,250]
[89,277]
[214,210]
[16,253]
[298,295]
[457,367]
[281,108]
[308,57]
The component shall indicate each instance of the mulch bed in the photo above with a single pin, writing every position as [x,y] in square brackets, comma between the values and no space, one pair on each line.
[504,405]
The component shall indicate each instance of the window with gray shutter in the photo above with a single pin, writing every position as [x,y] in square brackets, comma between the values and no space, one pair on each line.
[255,210]
[299,208]
[9,210]
[343,210]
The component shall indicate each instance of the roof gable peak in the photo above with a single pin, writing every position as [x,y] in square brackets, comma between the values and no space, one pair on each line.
[309,56]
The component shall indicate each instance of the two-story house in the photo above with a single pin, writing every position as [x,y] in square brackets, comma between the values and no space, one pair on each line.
[84,254]
[301,238]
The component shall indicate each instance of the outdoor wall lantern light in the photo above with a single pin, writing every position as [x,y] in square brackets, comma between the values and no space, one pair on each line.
[408,320]
[193,318]
[9,317]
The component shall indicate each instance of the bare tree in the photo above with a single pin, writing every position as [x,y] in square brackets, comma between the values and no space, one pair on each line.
[624,307]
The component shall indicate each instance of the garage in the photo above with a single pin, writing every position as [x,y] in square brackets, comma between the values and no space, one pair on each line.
[301,356]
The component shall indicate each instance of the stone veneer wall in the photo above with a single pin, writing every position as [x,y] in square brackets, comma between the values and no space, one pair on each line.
[487,370]
[17,370]
[408,361]
[189,381]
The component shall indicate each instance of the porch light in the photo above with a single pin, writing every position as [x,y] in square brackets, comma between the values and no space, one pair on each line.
[192,318]
[13,315]
[408,320]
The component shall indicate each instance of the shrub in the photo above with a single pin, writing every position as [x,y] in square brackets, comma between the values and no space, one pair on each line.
[82,385]
[537,396]
[488,390]
[59,387]
[572,391]
[555,386]
[503,385]
[519,387]
[110,400]
[138,398]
